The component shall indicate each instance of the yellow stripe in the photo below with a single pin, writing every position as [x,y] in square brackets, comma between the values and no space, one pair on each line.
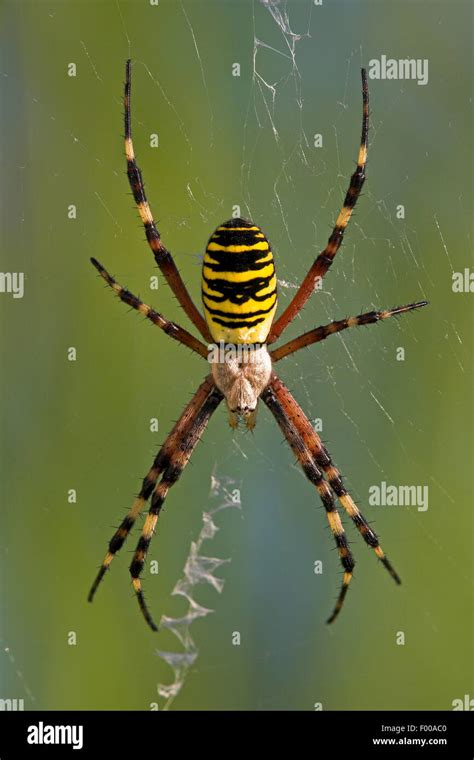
[349,505]
[241,229]
[209,292]
[250,306]
[344,216]
[208,259]
[149,526]
[263,246]
[238,276]
[130,155]
[331,473]
[267,290]
[145,213]
[335,523]
[362,158]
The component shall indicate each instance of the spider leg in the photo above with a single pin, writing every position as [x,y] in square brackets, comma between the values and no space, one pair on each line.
[277,404]
[320,333]
[170,328]
[176,461]
[162,256]
[326,257]
[179,434]
[321,456]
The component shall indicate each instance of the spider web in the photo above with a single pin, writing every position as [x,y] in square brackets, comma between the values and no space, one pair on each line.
[199,569]
[275,116]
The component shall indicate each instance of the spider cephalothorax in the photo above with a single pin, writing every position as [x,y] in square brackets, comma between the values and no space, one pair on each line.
[241,381]
[240,299]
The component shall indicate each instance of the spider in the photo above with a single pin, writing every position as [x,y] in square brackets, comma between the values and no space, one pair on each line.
[239,297]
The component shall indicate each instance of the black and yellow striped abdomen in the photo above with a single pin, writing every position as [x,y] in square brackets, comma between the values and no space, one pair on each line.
[238,283]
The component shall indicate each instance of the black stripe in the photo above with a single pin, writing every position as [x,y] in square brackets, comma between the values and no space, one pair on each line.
[136,567]
[235,231]
[367,319]
[232,236]
[238,265]
[338,486]
[357,180]
[242,315]
[341,541]
[143,544]
[250,288]
[172,473]
[366,531]
[237,222]
[235,325]
[157,501]
[347,559]
[117,541]
[231,257]
[239,298]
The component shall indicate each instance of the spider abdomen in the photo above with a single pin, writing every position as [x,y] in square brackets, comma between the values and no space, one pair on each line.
[239,283]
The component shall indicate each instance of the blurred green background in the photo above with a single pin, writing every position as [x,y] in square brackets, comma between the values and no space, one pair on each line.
[85,425]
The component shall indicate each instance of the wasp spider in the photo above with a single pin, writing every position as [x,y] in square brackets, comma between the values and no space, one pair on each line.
[239,297]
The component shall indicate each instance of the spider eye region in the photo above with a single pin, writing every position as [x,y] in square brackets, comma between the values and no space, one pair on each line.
[239,287]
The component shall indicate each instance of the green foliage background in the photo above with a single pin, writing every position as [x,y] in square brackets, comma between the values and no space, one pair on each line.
[85,424]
